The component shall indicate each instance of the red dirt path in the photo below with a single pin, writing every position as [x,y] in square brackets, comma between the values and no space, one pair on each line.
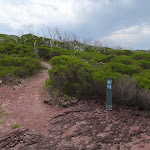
[23,104]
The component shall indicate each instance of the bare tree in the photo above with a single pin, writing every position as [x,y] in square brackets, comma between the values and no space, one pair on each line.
[56,37]
[30,28]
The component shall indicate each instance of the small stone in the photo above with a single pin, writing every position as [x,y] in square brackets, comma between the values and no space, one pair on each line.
[46,101]
[1,82]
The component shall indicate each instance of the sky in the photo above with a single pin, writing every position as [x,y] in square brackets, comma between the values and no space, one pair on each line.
[124,23]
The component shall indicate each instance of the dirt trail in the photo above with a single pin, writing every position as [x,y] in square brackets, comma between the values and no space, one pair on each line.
[23,104]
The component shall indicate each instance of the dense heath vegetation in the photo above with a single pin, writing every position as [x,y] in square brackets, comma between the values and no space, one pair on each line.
[16,59]
[78,69]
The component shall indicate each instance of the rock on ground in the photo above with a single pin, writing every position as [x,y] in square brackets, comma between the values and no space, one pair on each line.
[85,126]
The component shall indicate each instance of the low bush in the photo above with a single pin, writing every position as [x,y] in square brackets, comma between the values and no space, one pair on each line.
[71,75]
[126,92]
[143,79]
[48,53]
[122,68]
[12,67]
[123,59]
[85,55]
[99,77]
[143,64]
[14,49]
[6,72]
[79,73]
[97,57]
[126,52]
[141,56]
[143,97]
[15,126]
[77,78]
[120,52]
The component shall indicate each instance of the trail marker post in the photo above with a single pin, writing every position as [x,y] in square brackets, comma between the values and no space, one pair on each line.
[109,94]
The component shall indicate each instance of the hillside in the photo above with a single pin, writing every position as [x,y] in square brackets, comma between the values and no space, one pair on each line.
[76,80]
[78,69]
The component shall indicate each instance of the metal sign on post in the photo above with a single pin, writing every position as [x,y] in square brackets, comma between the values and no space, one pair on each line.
[109,94]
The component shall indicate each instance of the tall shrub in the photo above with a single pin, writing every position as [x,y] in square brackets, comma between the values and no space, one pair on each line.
[71,75]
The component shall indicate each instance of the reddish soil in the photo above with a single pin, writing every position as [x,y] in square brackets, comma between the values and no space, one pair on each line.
[85,126]
[22,104]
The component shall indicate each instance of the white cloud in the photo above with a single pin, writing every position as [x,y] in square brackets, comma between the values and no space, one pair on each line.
[52,12]
[126,2]
[133,36]
[96,18]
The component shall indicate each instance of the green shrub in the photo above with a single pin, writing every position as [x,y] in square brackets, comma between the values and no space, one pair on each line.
[143,97]
[3,56]
[11,67]
[89,49]
[97,57]
[143,79]
[11,48]
[141,56]
[120,52]
[143,82]
[44,52]
[124,91]
[122,68]
[85,55]
[98,84]
[6,72]
[78,73]
[15,126]
[143,64]
[101,75]
[48,53]
[77,78]
[18,61]
[71,75]
[126,52]
[123,59]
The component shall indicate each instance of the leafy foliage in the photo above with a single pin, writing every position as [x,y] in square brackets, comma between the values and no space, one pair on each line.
[84,75]
[79,69]
[16,59]
[18,66]
[71,75]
